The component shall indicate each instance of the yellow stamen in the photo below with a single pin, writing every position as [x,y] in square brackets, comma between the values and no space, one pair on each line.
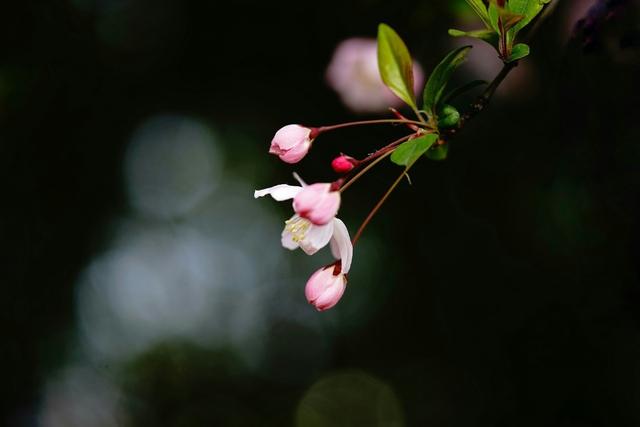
[298,228]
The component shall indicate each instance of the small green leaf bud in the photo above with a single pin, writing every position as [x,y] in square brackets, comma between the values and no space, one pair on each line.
[448,116]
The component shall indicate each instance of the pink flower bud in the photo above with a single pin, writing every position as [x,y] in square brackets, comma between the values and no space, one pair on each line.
[324,289]
[291,143]
[317,202]
[343,164]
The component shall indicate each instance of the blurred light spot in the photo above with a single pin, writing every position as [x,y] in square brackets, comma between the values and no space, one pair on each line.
[161,283]
[171,165]
[350,399]
[198,266]
[353,73]
[80,397]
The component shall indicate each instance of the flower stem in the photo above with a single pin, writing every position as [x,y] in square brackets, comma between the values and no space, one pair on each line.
[386,148]
[369,122]
[422,120]
[379,205]
[365,170]
[376,157]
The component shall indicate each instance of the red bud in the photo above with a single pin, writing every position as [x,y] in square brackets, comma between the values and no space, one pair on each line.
[343,164]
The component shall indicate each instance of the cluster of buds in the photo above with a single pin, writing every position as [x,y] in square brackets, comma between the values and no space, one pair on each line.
[314,224]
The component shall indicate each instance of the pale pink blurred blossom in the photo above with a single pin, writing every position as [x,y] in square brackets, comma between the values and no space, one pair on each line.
[353,73]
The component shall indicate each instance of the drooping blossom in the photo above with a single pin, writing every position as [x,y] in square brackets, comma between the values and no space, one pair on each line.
[324,289]
[300,232]
[353,73]
[326,286]
[291,143]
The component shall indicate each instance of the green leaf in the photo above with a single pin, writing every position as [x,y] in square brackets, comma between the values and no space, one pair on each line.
[519,51]
[395,65]
[480,9]
[454,93]
[529,9]
[510,19]
[494,16]
[440,77]
[448,116]
[410,151]
[489,36]
[438,153]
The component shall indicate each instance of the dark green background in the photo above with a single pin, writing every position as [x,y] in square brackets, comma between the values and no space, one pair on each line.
[507,276]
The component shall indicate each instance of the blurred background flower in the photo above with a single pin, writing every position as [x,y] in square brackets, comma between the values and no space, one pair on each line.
[353,74]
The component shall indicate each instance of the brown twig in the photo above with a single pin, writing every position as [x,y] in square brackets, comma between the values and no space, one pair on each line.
[483,100]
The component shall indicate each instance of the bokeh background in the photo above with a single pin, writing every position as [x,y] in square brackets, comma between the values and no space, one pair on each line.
[142,285]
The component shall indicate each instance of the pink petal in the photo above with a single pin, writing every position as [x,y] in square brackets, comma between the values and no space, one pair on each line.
[332,294]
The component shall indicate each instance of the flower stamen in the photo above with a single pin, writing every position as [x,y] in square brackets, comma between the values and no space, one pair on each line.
[298,228]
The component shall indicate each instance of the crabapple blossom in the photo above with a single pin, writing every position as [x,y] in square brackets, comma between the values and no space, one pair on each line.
[301,233]
[292,142]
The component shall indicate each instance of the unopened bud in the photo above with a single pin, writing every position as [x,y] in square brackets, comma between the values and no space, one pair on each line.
[324,288]
[343,164]
[448,116]
[292,143]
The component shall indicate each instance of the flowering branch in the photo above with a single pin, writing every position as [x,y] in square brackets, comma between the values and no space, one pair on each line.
[314,223]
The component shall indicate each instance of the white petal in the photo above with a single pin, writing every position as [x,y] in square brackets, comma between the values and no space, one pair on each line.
[279,192]
[335,250]
[316,238]
[341,246]
[287,240]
